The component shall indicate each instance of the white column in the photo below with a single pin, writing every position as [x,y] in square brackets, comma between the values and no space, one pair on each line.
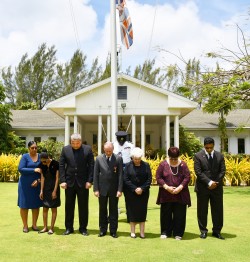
[67,130]
[134,130]
[143,134]
[75,125]
[99,140]
[108,128]
[167,133]
[176,131]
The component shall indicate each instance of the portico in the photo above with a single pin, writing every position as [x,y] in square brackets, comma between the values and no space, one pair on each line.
[148,113]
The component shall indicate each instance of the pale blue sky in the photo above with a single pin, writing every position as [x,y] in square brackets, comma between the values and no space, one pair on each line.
[189,27]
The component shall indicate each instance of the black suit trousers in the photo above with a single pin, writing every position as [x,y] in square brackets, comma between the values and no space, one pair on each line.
[112,217]
[215,198]
[83,207]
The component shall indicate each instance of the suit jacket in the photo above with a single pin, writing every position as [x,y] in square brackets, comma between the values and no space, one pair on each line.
[205,173]
[80,170]
[132,180]
[108,178]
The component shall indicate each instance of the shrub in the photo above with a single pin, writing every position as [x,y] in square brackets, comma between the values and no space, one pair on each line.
[9,168]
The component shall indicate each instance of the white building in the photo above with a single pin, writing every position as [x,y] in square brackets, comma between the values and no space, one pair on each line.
[237,124]
[150,115]
[145,111]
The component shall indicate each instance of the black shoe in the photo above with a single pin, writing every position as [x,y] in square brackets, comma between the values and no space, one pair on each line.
[68,232]
[114,235]
[203,235]
[102,234]
[84,233]
[218,235]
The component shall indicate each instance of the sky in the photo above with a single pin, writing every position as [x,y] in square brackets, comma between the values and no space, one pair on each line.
[190,28]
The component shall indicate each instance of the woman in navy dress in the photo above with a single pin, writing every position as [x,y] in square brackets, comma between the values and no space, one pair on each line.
[29,187]
[50,190]
[137,181]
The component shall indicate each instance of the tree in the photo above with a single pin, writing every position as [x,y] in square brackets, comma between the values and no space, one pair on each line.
[149,74]
[27,106]
[5,119]
[189,143]
[33,80]
[74,75]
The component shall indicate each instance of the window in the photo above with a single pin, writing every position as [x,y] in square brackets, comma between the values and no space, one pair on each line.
[241,146]
[53,138]
[37,139]
[122,92]
[94,139]
[148,140]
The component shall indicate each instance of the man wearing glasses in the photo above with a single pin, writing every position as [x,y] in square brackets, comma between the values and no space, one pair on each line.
[209,167]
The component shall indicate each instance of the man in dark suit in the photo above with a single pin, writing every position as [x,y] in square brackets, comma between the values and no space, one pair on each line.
[76,166]
[209,167]
[108,181]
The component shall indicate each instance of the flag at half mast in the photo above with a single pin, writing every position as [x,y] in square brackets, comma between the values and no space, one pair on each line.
[125,23]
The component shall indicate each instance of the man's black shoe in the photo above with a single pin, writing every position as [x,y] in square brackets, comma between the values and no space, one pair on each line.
[67,232]
[114,235]
[102,234]
[218,235]
[84,233]
[203,235]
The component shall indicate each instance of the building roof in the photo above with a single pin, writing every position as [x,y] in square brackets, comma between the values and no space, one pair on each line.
[197,119]
[36,119]
[69,102]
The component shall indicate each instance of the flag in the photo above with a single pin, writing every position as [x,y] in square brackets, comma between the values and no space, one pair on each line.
[125,23]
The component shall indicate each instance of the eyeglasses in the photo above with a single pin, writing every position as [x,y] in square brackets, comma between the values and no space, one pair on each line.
[34,147]
[44,161]
[173,159]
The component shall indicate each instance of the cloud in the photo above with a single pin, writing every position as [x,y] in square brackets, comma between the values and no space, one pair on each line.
[177,28]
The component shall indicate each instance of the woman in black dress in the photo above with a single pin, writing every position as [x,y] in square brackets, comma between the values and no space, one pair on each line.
[137,181]
[50,190]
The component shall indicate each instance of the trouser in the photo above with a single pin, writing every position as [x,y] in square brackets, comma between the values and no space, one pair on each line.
[173,218]
[215,198]
[83,206]
[110,202]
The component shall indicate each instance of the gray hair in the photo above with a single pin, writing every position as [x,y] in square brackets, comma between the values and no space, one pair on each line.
[108,144]
[76,136]
[136,152]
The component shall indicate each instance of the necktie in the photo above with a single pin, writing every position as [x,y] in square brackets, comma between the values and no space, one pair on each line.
[108,160]
[210,160]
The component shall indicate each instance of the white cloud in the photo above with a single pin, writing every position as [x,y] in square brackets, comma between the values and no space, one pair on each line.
[176,29]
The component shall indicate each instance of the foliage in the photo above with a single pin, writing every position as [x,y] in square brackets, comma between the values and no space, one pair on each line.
[154,163]
[5,119]
[27,106]
[74,75]
[149,74]
[189,143]
[53,148]
[237,171]
[17,146]
[9,167]
[34,78]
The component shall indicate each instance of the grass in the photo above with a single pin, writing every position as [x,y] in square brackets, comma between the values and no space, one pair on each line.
[17,246]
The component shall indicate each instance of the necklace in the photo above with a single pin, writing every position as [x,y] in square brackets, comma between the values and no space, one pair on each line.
[177,169]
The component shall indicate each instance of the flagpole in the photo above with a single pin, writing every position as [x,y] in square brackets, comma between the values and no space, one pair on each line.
[113,53]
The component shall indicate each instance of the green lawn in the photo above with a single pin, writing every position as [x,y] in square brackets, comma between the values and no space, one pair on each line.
[17,246]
